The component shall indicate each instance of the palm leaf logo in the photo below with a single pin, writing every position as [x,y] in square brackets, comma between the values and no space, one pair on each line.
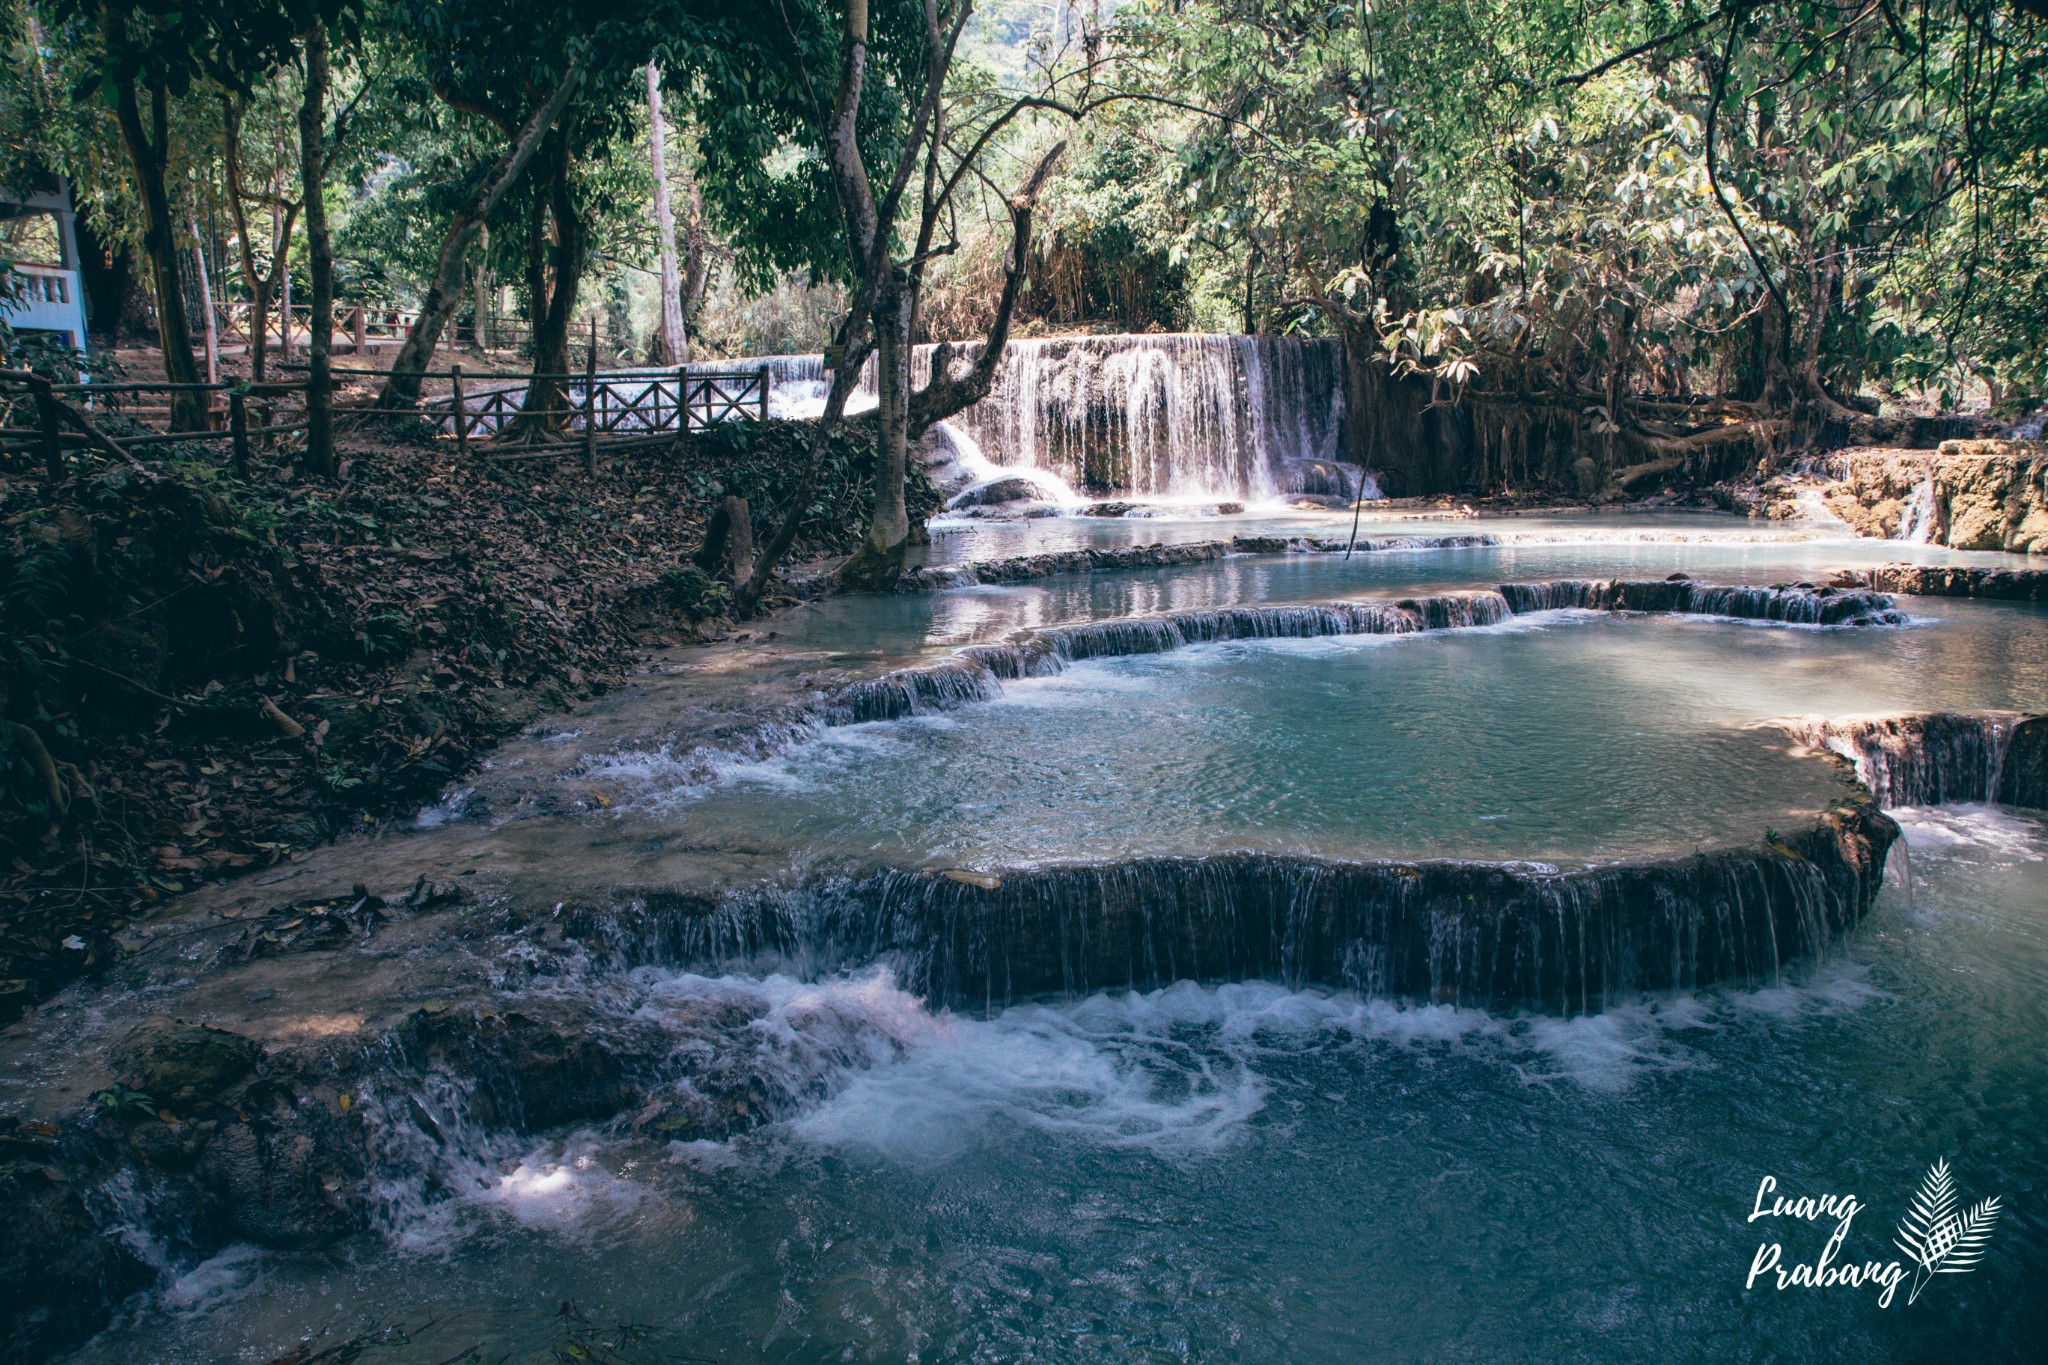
[1939,1240]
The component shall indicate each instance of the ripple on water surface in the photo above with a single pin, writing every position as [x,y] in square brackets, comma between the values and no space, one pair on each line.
[1559,736]
[1247,1172]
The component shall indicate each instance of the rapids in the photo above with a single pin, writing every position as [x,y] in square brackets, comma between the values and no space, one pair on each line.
[1191,969]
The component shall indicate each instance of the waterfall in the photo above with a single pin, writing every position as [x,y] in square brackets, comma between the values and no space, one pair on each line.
[1175,417]
[1916,523]
[1940,758]
[1488,935]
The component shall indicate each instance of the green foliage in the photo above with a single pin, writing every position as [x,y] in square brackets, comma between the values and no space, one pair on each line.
[695,593]
[118,1101]
[1489,187]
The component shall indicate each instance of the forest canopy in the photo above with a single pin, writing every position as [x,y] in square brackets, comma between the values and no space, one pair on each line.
[1582,213]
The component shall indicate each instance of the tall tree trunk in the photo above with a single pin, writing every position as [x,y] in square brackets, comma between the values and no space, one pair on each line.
[675,346]
[545,406]
[444,294]
[696,250]
[319,256]
[480,328]
[159,242]
[867,224]
[879,561]
[206,306]
[263,287]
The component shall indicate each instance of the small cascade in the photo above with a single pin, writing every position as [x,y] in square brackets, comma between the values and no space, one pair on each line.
[959,469]
[975,674]
[1487,935]
[1916,523]
[1940,758]
[1800,604]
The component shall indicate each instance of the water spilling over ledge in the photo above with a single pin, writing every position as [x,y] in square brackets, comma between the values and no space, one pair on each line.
[1171,416]
[1501,936]
[976,674]
[939,577]
[1940,758]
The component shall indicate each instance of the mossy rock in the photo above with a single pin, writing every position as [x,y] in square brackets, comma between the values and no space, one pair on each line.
[176,1063]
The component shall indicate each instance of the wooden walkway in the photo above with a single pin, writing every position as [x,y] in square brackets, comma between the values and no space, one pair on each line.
[626,404]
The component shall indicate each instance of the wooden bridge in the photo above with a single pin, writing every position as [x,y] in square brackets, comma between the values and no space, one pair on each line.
[625,404]
[55,424]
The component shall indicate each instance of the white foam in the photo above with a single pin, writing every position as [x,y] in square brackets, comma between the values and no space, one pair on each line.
[450,808]
[221,1279]
[1944,829]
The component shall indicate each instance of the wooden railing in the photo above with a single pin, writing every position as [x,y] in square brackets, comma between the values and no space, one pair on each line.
[623,403]
[41,420]
[69,418]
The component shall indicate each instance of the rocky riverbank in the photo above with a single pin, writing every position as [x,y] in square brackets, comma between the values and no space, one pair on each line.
[1967,495]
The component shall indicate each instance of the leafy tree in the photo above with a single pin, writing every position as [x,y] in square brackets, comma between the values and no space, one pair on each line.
[149,53]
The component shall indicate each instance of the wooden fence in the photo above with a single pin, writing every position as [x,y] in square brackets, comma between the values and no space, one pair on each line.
[612,404]
[47,422]
[73,418]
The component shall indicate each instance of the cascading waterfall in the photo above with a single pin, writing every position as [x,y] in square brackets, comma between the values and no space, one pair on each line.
[1172,417]
[1940,758]
[974,674]
[1916,523]
[1489,935]
[1178,417]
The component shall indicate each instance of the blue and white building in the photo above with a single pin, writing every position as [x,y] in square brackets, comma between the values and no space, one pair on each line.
[51,299]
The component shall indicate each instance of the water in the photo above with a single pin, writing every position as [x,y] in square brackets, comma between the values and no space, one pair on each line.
[1247,1173]
[1618,737]
[1233,1169]
[1170,418]
[1916,523]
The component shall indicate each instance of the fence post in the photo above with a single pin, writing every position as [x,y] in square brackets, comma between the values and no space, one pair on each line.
[49,418]
[360,326]
[590,405]
[461,414]
[764,393]
[238,429]
[682,445]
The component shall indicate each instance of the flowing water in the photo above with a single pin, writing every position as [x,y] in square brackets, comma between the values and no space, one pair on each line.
[1251,1173]
[1172,418]
[1249,1169]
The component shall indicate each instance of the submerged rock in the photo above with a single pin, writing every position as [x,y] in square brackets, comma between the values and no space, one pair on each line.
[999,492]
[1949,580]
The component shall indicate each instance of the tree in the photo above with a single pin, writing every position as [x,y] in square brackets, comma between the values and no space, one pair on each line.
[138,55]
[444,290]
[1643,238]
[893,113]
[675,345]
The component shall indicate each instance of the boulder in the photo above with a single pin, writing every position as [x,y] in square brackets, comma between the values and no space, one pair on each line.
[1980,495]
[179,1064]
[1587,476]
[1994,495]
[999,492]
